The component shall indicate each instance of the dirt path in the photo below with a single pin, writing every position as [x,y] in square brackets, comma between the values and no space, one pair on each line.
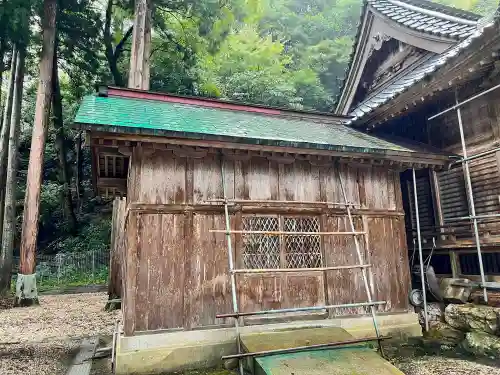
[437,365]
[42,340]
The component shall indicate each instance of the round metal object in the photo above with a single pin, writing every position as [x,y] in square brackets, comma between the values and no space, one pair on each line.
[416,297]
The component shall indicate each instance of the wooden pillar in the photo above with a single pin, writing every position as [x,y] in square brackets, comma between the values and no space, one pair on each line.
[117,253]
[141,46]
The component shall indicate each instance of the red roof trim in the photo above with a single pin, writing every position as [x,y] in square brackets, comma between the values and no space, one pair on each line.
[136,94]
[212,103]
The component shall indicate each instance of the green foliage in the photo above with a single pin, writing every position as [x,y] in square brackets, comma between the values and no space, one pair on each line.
[93,237]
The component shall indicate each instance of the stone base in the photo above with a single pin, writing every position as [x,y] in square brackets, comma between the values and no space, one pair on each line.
[482,344]
[26,291]
[161,352]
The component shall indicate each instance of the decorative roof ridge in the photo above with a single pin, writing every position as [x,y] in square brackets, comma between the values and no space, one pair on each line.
[442,12]
[438,10]
[426,69]
[214,103]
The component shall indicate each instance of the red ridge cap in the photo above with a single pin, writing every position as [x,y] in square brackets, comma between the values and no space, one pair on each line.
[201,102]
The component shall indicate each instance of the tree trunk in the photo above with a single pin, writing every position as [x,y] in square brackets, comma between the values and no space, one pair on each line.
[113,55]
[26,293]
[4,135]
[141,46]
[9,226]
[2,67]
[79,171]
[64,180]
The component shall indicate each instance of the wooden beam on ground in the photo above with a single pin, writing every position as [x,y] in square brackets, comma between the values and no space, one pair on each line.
[82,363]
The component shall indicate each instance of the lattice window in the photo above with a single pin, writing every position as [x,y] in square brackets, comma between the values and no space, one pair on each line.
[281,251]
[302,251]
[260,250]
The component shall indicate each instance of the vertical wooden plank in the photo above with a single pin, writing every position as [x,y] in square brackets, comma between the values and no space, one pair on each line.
[398,192]
[145,243]
[391,190]
[344,286]
[403,264]
[129,300]
[239,180]
[207,287]
[117,256]
[324,228]
[274,180]
[382,274]
[174,244]
[154,264]
[363,182]
[261,180]
[207,182]
[189,180]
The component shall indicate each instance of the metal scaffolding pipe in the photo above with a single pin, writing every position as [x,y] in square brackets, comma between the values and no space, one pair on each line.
[303,348]
[471,200]
[231,262]
[286,270]
[363,270]
[477,156]
[285,233]
[479,217]
[419,239]
[301,309]
[458,105]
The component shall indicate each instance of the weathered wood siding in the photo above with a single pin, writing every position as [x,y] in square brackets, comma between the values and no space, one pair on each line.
[117,252]
[481,123]
[177,274]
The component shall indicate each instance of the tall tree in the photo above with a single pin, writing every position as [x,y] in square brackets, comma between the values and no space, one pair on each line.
[139,75]
[9,225]
[26,292]
[113,54]
[58,121]
[4,134]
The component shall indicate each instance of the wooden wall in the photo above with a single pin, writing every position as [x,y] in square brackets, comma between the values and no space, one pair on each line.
[117,250]
[456,253]
[481,123]
[176,269]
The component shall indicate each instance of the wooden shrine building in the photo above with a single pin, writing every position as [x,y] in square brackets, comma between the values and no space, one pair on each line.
[284,166]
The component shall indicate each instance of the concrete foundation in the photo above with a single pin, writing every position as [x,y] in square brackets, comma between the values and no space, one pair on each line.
[161,352]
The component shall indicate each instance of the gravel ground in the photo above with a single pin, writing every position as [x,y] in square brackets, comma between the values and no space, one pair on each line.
[43,339]
[437,365]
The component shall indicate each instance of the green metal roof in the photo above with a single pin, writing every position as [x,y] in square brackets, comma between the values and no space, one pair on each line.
[154,117]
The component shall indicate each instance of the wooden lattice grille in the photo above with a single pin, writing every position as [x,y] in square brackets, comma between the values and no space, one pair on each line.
[279,250]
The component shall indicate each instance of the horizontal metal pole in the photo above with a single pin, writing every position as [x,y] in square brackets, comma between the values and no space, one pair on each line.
[305,348]
[299,309]
[283,233]
[477,217]
[281,202]
[458,105]
[477,156]
[285,270]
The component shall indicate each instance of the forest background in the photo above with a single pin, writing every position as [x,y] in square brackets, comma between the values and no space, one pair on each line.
[284,53]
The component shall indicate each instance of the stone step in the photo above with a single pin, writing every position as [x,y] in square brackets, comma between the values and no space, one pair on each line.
[339,361]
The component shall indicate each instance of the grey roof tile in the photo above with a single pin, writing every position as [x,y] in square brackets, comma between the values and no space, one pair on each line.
[419,9]
[420,72]
[428,22]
